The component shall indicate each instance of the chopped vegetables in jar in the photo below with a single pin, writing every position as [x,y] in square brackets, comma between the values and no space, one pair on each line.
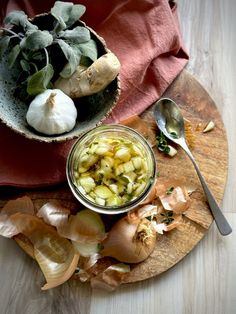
[111,171]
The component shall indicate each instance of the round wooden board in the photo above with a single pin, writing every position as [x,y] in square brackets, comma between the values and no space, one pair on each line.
[210,151]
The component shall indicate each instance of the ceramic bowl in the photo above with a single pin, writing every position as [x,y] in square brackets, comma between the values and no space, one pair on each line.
[92,110]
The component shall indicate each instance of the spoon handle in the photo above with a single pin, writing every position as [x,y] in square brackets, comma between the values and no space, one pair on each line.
[221,222]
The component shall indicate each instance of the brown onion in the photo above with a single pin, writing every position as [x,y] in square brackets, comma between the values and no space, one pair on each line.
[130,242]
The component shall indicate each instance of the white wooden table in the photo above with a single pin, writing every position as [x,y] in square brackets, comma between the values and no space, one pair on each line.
[204,282]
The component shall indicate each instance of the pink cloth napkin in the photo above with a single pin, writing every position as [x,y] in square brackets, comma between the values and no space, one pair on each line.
[145,36]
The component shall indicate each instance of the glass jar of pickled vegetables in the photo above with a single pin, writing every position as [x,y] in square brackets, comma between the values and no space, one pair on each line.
[111,169]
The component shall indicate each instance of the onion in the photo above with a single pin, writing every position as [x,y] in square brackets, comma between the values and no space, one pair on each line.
[130,242]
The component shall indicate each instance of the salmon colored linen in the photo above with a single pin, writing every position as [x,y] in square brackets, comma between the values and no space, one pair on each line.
[145,36]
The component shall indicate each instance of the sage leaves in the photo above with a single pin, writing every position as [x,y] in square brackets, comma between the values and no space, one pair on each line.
[36,40]
[77,35]
[13,55]
[89,49]
[4,42]
[39,82]
[19,18]
[73,57]
[66,13]
[44,53]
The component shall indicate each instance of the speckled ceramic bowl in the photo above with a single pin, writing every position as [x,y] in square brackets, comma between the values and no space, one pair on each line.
[92,110]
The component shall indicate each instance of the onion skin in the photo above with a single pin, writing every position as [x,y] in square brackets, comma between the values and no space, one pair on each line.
[130,242]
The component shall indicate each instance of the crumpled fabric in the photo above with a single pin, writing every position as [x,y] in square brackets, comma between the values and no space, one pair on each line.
[145,36]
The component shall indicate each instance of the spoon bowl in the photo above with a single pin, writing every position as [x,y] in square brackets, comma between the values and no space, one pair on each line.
[170,121]
[169,118]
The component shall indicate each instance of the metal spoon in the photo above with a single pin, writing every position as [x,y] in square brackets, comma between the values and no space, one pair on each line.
[170,121]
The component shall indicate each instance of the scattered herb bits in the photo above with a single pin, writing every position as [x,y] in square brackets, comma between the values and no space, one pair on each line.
[167,217]
[163,145]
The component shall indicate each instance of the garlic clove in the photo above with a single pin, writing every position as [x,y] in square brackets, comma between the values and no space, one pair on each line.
[210,126]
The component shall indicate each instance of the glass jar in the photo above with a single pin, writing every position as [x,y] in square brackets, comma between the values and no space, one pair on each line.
[111,169]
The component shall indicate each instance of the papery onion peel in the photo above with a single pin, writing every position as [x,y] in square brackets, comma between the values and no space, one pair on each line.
[84,227]
[141,212]
[54,214]
[111,277]
[55,255]
[23,205]
[177,200]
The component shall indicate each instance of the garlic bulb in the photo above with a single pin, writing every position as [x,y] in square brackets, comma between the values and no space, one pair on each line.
[52,112]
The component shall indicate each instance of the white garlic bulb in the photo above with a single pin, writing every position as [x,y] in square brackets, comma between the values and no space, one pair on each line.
[52,112]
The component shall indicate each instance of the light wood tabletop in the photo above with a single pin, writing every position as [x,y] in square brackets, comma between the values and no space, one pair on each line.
[205,280]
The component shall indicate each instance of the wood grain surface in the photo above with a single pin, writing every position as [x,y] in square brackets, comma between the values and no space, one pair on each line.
[205,280]
[210,150]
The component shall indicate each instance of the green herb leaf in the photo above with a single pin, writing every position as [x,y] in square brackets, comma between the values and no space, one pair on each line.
[4,41]
[77,35]
[38,56]
[162,144]
[158,174]
[170,190]
[72,54]
[14,53]
[25,65]
[61,12]
[66,13]
[174,134]
[33,66]
[19,18]
[76,12]
[85,61]
[36,40]
[39,81]
[167,217]
[89,49]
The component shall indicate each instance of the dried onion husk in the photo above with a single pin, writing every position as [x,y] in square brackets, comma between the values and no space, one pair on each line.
[55,255]
[177,200]
[141,212]
[87,267]
[111,277]
[25,244]
[24,205]
[84,227]
[7,228]
[159,227]
[54,214]
[55,273]
[86,249]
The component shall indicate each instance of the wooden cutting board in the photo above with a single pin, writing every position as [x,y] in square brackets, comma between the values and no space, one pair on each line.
[211,153]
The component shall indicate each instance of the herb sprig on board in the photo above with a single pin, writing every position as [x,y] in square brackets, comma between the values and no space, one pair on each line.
[34,50]
[162,144]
